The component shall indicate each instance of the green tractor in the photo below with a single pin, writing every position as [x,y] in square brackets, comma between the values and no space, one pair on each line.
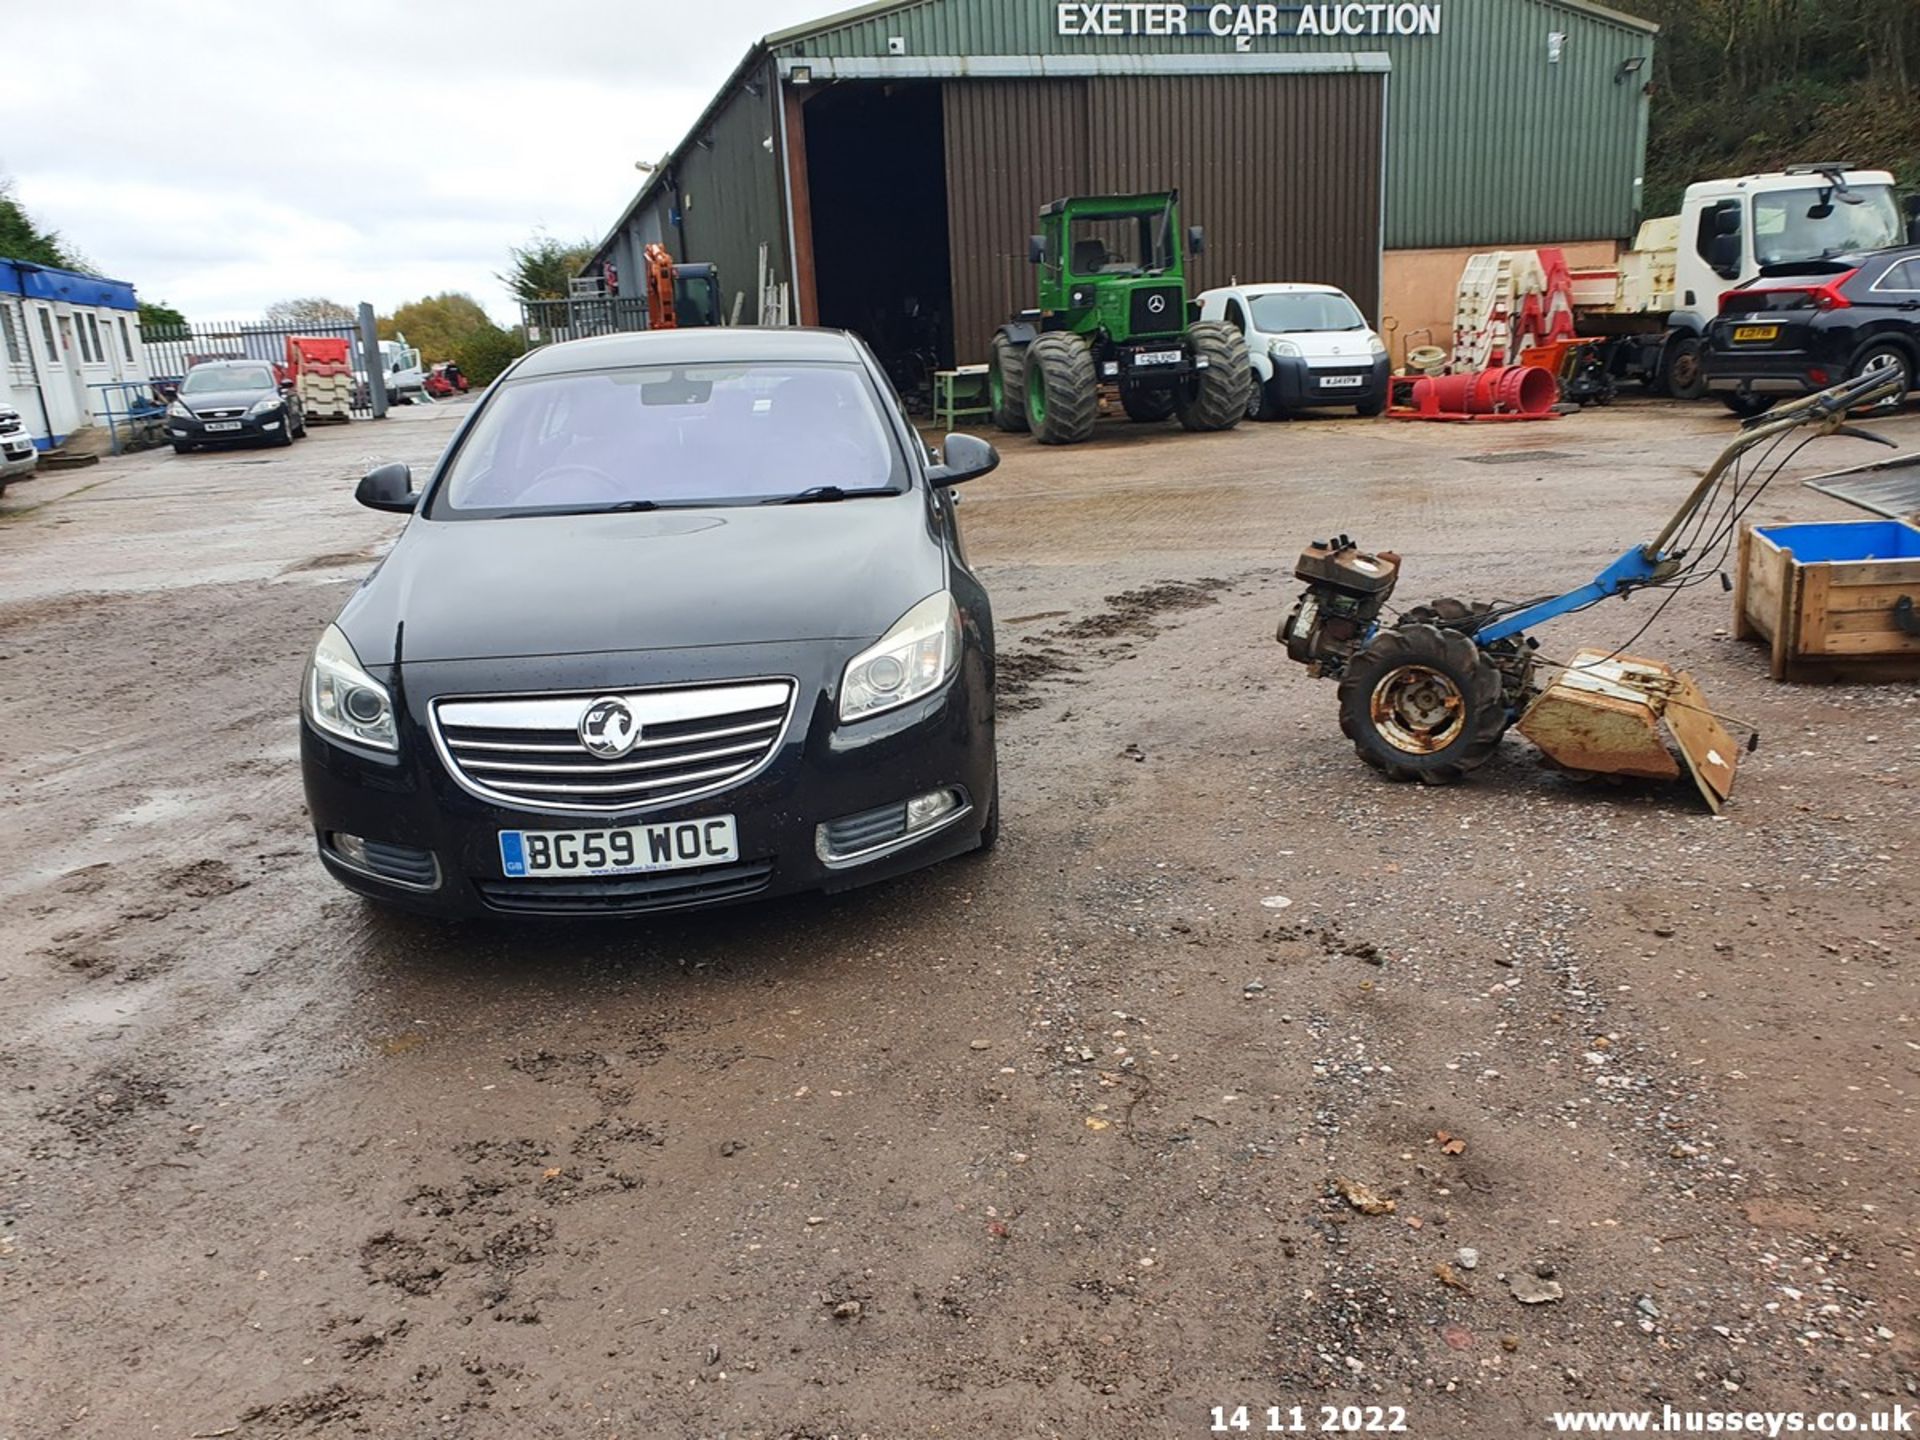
[1113,310]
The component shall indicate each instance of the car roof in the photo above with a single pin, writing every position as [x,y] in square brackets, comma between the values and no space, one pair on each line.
[226,364]
[1277,288]
[719,343]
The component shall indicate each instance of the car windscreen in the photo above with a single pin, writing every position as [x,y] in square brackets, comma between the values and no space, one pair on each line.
[1285,312]
[682,435]
[1811,224]
[205,380]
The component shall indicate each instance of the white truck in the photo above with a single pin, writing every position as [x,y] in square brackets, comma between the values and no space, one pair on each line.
[1650,310]
[406,378]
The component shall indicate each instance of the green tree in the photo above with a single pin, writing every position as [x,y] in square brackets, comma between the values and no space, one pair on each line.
[435,325]
[541,268]
[22,238]
[315,310]
[158,317]
[483,354]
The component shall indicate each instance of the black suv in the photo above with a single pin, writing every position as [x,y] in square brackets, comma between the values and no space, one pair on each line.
[1803,327]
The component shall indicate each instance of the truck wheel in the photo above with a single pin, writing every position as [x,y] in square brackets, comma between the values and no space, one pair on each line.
[1063,395]
[1147,406]
[1215,398]
[1746,404]
[1422,703]
[1007,384]
[1683,370]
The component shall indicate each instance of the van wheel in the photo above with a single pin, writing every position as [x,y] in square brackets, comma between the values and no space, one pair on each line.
[1260,402]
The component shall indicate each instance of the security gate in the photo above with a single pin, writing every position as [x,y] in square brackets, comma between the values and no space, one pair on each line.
[173,350]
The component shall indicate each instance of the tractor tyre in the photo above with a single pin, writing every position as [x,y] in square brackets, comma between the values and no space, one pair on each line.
[1422,703]
[1683,367]
[1063,394]
[1147,406]
[1215,398]
[1007,384]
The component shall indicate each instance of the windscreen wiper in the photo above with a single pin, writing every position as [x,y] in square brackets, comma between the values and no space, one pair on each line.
[811,496]
[620,507]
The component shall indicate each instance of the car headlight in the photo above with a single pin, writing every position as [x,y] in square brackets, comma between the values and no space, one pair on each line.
[1376,345]
[1283,349]
[266,406]
[342,699]
[912,659]
[179,411]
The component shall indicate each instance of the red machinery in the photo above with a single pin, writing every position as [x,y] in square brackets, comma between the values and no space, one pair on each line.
[1518,392]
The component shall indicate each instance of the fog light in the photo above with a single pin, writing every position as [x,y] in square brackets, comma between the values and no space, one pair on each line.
[350,848]
[1111,367]
[923,810]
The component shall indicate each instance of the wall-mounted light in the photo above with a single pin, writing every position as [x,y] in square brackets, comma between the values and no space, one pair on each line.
[1632,65]
[645,167]
[800,75]
[705,142]
[1556,46]
[756,89]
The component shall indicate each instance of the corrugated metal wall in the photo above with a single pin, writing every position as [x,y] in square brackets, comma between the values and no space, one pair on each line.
[1489,141]
[1282,170]
[732,199]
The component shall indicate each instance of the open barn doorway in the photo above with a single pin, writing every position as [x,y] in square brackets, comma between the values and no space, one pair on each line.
[876,173]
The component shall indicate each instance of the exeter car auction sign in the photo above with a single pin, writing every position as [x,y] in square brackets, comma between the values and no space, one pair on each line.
[1244,22]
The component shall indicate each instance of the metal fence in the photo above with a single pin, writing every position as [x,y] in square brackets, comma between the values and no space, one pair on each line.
[547,322]
[173,350]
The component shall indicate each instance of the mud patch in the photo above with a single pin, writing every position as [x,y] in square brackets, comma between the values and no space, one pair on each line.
[110,1100]
[1129,617]
[337,561]
[202,879]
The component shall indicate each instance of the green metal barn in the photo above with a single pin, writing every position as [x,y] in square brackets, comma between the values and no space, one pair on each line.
[885,165]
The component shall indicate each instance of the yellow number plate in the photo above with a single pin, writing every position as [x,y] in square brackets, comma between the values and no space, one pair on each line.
[1756,332]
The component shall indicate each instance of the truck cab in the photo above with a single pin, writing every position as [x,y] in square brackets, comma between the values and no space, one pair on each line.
[1732,229]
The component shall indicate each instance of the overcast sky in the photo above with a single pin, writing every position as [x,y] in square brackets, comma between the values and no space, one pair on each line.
[223,154]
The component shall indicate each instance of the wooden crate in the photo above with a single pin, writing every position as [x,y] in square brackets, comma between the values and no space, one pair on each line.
[1824,596]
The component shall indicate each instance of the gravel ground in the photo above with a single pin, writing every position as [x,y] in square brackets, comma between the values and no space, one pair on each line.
[1236,1076]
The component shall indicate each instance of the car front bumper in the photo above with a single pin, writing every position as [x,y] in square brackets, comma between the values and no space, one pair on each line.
[19,460]
[412,808]
[1297,382]
[192,430]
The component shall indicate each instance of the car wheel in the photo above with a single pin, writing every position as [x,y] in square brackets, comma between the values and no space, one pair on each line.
[301,433]
[1746,404]
[285,437]
[180,447]
[1683,369]
[1886,357]
[1367,409]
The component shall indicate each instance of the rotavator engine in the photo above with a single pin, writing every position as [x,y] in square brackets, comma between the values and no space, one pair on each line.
[1335,615]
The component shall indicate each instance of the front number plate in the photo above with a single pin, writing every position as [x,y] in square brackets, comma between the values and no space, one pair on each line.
[1341,382]
[1756,332]
[223,424]
[629,850]
[1158,357]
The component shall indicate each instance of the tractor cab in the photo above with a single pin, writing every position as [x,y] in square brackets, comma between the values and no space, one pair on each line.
[1115,263]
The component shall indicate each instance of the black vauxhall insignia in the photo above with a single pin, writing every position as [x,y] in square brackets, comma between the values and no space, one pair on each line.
[680,618]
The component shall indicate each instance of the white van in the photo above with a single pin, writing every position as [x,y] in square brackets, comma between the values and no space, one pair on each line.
[1309,346]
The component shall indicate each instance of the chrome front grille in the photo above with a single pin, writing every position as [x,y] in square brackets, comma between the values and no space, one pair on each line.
[233,414]
[692,741]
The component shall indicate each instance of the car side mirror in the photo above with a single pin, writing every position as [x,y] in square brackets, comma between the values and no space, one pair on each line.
[1723,254]
[388,487]
[962,457]
[1036,249]
[1196,239]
